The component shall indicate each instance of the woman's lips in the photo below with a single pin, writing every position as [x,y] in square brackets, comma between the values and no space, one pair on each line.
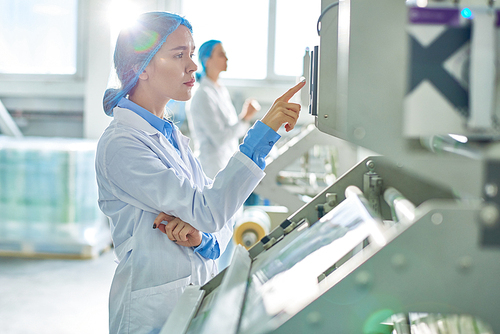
[190,83]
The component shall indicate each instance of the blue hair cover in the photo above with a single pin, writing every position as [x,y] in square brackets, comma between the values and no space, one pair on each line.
[205,52]
[135,47]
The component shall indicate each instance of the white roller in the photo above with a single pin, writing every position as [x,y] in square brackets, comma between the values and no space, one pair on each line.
[403,208]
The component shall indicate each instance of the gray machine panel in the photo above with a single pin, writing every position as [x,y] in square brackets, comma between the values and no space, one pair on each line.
[363,81]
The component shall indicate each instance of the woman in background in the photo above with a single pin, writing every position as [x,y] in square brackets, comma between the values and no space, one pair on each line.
[146,171]
[214,123]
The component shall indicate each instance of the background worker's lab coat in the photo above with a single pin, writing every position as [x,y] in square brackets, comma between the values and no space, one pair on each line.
[140,174]
[215,125]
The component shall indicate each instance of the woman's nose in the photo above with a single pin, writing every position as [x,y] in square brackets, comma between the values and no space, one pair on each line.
[192,66]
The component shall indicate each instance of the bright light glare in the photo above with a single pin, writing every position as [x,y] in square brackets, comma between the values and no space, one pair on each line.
[38,37]
[121,14]
[459,138]
[422,3]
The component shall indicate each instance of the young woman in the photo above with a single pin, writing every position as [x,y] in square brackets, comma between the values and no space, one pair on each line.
[213,121]
[146,170]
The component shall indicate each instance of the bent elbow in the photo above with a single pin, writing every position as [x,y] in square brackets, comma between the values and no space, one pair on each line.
[214,227]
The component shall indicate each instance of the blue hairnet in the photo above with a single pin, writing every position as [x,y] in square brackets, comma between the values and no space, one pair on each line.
[135,47]
[204,52]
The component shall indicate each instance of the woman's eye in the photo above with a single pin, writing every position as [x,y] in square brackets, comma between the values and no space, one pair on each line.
[192,55]
[179,55]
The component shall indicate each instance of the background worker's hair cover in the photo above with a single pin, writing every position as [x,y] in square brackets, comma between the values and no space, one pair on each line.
[135,47]
[204,52]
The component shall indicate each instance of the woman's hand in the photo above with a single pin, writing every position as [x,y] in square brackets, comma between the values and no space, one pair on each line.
[284,112]
[250,107]
[178,231]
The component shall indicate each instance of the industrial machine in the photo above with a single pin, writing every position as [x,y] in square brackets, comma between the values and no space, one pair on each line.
[407,241]
[293,189]
[299,169]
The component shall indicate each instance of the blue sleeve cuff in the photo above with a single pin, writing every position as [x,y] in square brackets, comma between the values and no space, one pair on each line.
[258,142]
[209,247]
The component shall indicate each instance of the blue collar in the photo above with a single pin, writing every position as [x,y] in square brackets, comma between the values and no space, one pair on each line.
[162,125]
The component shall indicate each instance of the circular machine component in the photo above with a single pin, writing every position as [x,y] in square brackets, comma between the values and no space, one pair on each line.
[253,225]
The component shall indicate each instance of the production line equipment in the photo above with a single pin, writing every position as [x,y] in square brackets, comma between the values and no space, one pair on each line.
[407,240]
[292,189]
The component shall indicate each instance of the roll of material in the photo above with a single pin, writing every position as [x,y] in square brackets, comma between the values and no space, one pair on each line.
[252,226]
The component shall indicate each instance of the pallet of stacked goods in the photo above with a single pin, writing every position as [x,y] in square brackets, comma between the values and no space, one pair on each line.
[48,199]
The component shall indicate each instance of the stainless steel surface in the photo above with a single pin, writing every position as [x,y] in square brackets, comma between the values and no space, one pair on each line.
[444,270]
[179,320]
[434,263]
[223,317]
[415,188]
[362,84]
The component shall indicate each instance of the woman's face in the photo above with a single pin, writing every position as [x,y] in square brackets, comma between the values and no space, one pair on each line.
[170,74]
[218,60]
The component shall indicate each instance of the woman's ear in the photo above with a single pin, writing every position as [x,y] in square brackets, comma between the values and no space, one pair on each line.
[144,75]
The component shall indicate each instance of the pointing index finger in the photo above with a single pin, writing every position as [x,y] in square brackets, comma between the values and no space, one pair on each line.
[291,92]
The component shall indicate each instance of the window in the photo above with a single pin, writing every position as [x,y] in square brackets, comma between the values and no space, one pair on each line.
[242,28]
[262,38]
[295,31]
[38,36]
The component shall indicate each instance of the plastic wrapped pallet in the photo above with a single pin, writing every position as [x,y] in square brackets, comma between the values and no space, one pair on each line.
[48,198]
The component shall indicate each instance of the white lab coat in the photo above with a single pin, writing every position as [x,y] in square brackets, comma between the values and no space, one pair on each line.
[215,125]
[140,174]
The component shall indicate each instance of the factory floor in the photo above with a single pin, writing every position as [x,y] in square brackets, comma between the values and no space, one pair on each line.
[55,296]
